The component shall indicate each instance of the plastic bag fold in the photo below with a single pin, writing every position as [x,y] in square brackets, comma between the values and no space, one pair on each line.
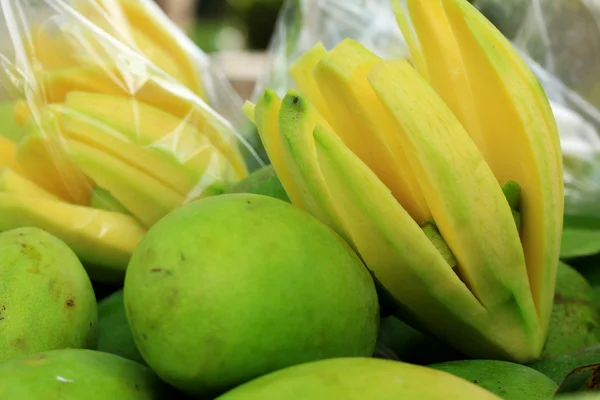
[560,40]
[114,119]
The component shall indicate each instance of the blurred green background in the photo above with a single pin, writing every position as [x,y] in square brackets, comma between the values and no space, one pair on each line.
[221,25]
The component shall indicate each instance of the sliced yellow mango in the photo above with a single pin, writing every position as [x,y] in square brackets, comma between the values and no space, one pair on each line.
[147,126]
[266,115]
[8,152]
[50,48]
[11,181]
[302,74]
[297,120]
[151,20]
[396,250]
[101,238]
[42,159]
[364,125]
[95,133]
[523,141]
[145,197]
[458,184]
[111,81]
[445,65]
[21,112]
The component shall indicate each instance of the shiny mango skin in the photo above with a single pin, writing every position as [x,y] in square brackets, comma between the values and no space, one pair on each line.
[74,374]
[47,298]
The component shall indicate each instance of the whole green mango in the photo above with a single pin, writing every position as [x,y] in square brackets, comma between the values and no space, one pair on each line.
[508,380]
[359,379]
[231,287]
[77,374]
[47,301]
[114,333]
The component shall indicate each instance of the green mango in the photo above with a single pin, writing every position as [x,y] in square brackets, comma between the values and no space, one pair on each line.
[74,374]
[9,127]
[579,396]
[574,323]
[508,380]
[47,299]
[231,287]
[557,368]
[410,345]
[263,181]
[358,379]
[114,333]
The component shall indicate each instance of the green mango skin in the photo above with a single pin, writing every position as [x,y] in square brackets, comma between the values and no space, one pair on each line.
[231,287]
[358,379]
[557,368]
[264,182]
[76,374]
[574,323]
[508,380]
[412,346]
[579,396]
[47,298]
[114,333]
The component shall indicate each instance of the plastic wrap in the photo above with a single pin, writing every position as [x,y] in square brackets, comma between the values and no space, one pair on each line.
[560,40]
[111,117]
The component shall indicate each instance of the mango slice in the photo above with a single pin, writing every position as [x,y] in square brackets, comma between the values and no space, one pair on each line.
[297,120]
[11,181]
[150,160]
[42,158]
[146,198]
[98,237]
[301,73]
[266,115]
[452,174]
[8,152]
[342,77]
[518,123]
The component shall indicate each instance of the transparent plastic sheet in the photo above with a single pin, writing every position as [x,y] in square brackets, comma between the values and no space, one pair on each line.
[563,52]
[112,124]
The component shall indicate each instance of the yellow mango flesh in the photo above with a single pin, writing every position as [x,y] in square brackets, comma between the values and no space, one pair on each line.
[445,65]
[458,184]
[42,158]
[11,181]
[297,120]
[387,237]
[98,237]
[519,128]
[365,126]
[89,78]
[146,198]
[266,115]
[8,152]
[95,133]
[147,126]
[301,73]
[146,19]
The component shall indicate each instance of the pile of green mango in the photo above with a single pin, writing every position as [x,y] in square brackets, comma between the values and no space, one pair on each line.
[392,249]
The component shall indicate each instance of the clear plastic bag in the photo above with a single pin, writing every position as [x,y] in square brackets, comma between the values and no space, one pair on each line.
[569,69]
[113,124]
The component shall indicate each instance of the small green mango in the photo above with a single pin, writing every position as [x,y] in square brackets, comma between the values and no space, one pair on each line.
[410,345]
[508,380]
[231,287]
[358,379]
[114,333]
[76,374]
[574,323]
[47,299]
[557,368]
[263,181]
